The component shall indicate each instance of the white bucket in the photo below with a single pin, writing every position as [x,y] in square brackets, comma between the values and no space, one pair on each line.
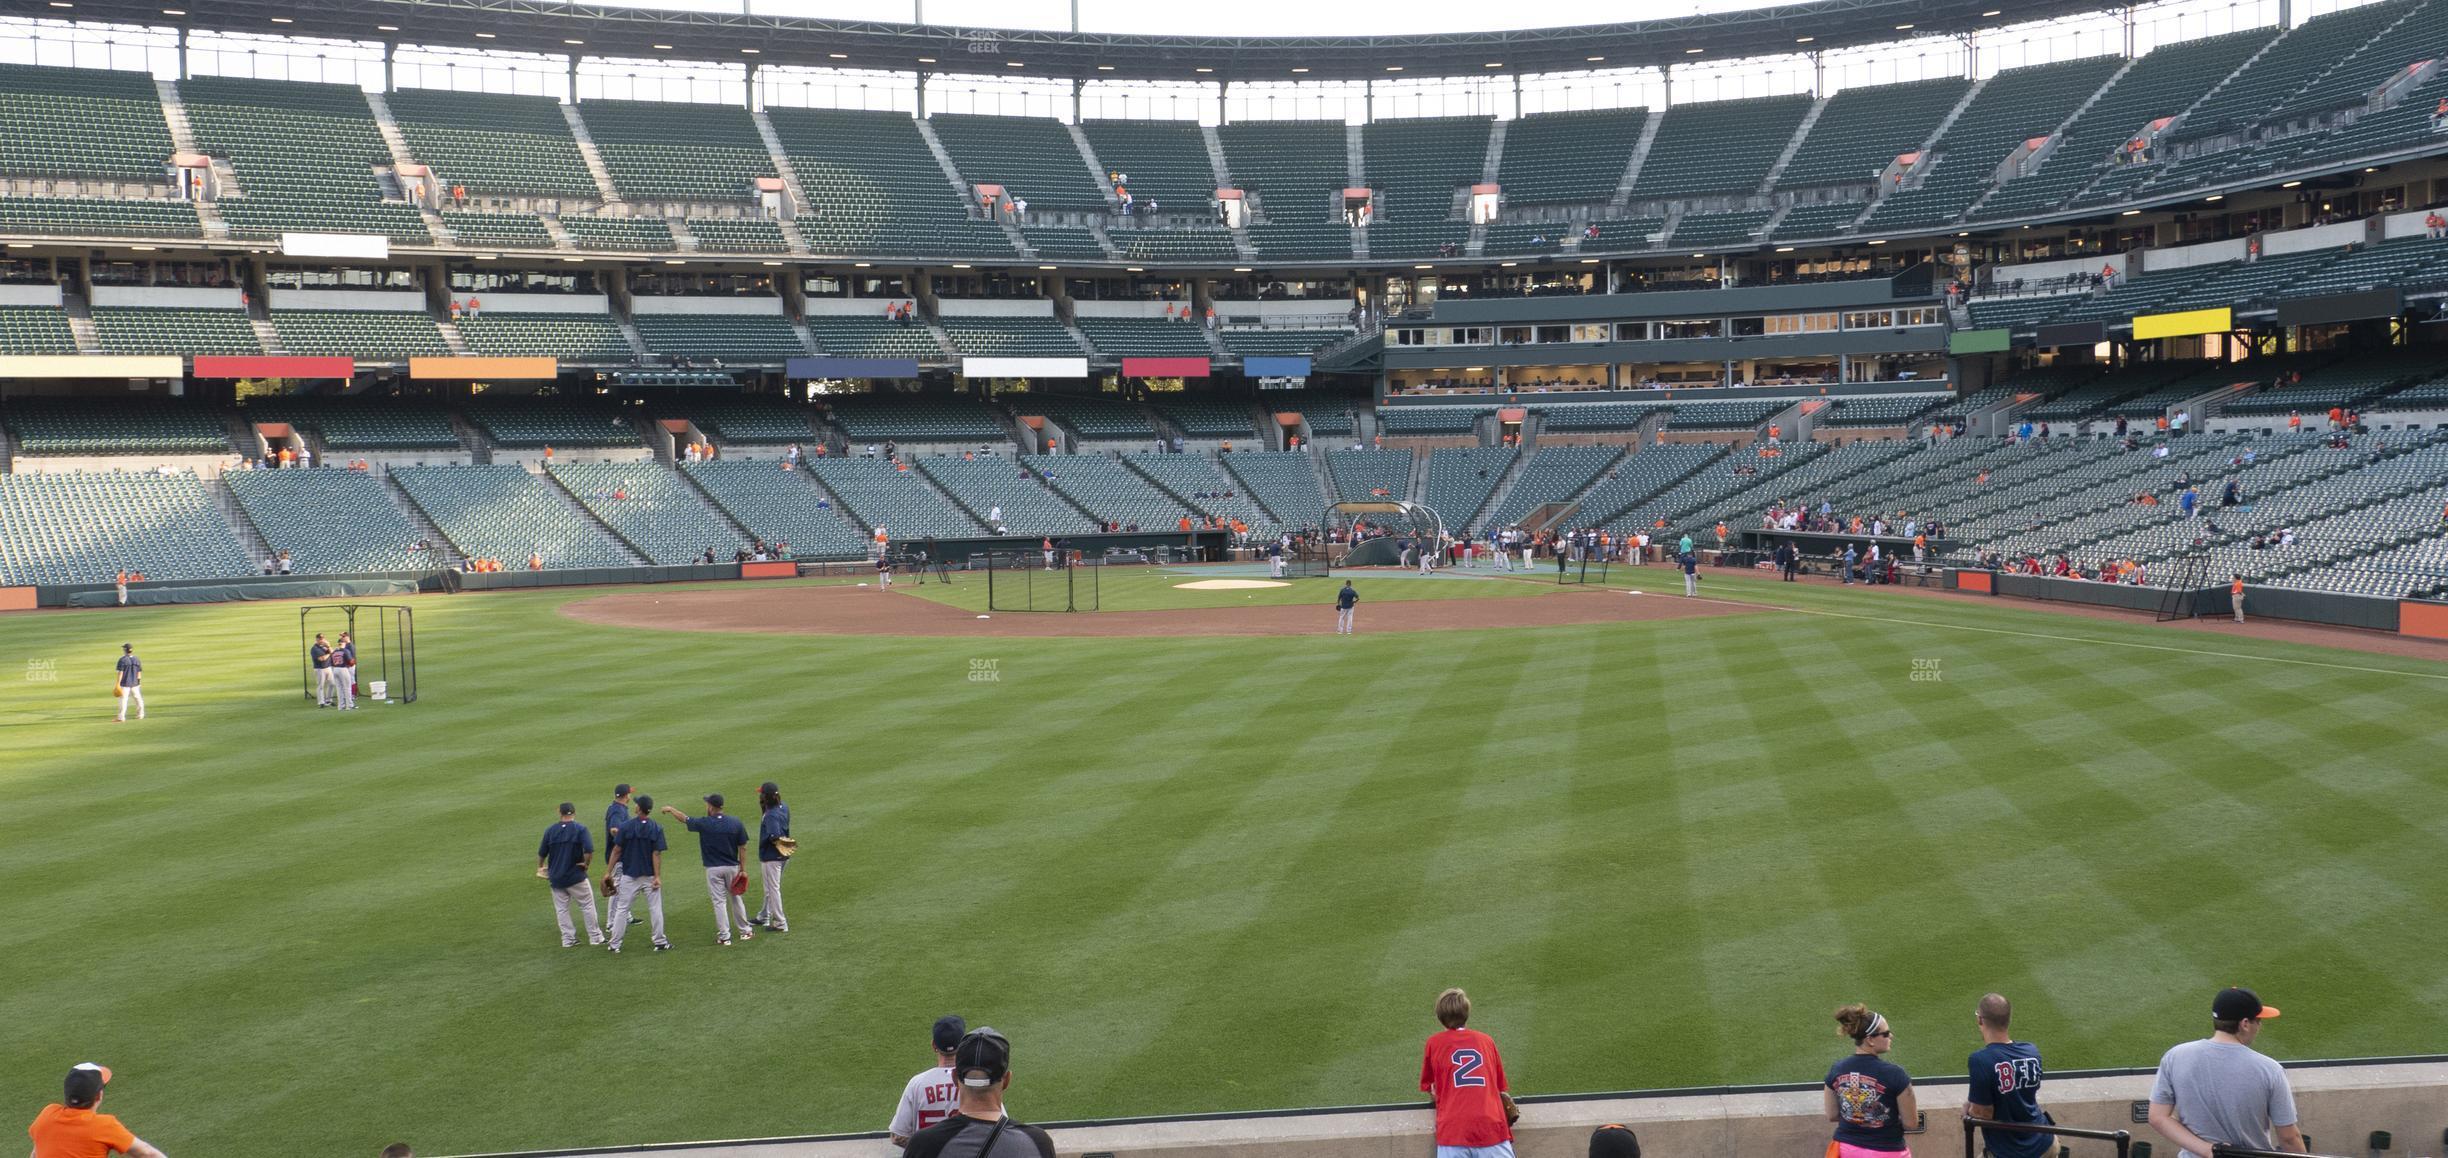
[376,689]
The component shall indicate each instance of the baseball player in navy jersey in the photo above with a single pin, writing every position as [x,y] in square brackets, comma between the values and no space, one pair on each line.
[637,853]
[344,662]
[773,825]
[720,840]
[930,1095]
[131,682]
[321,653]
[561,859]
[614,814]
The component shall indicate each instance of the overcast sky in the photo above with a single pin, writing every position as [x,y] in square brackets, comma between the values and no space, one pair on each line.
[1228,18]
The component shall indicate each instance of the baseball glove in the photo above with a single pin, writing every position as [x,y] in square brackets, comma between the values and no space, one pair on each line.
[787,846]
[1512,1110]
[739,884]
[608,888]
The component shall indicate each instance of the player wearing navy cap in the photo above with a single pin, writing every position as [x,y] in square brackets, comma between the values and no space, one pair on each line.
[344,668]
[774,849]
[561,859]
[614,814]
[981,1065]
[719,841]
[931,1094]
[321,654]
[131,682]
[637,851]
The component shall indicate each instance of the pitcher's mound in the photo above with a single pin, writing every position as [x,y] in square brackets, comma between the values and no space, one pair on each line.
[1228,584]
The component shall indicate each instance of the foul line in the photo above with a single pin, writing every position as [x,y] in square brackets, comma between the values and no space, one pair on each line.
[2083,639]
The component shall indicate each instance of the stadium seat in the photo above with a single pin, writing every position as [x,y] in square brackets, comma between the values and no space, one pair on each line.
[651,508]
[781,506]
[86,527]
[331,521]
[659,151]
[502,512]
[493,143]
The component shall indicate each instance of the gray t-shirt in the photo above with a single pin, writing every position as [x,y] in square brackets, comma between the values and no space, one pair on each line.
[2225,1092]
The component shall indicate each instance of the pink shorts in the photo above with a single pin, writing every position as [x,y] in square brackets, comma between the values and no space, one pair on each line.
[1837,1149]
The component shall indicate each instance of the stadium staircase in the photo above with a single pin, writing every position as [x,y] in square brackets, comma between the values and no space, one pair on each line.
[552,229]
[8,450]
[790,180]
[559,489]
[452,339]
[479,447]
[1087,152]
[629,332]
[182,137]
[943,159]
[1325,477]
[80,321]
[426,528]
[1972,211]
[683,241]
[592,156]
[1224,180]
[722,514]
[1776,169]
[242,436]
[1640,156]
[249,536]
[1931,142]
[388,126]
[259,318]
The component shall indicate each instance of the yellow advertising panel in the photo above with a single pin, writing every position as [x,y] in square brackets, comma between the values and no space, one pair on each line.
[2216,321]
[483,369]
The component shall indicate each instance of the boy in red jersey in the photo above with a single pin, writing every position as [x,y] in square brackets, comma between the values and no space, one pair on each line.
[1465,1077]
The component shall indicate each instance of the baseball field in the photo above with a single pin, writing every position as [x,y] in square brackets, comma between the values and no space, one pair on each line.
[1218,858]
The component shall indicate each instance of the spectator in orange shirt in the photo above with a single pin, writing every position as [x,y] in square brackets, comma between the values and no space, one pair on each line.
[75,1127]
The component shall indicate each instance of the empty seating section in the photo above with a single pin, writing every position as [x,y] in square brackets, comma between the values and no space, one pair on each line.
[1030,505]
[507,230]
[167,330]
[587,232]
[781,506]
[130,426]
[1145,337]
[1280,343]
[1429,419]
[650,507]
[873,187]
[2408,263]
[587,337]
[1331,420]
[1370,474]
[1165,160]
[1284,481]
[493,143]
[1107,490]
[538,422]
[1095,419]
[1296,171]
[304,154]
[1182,244]
[1628,233]
[1415,167]
[1460,479]
[1011,337]
[677,152]
[1646,472]
[1060,242]
[730,337]
[1722,415]
[880,493]
[1720,228]
[1588,416]
[737,235]
[80,527]
[749,419]
[1198,481]
[1693,503]
[2310,49]
[2139,295]
[1508,238]
[115,218]
[1210,419]
[1562,158]
[1033,158]
[2347,383]
[330,521]
[1718,146]
[1863,130]
[2431,395]
[1822,219]
[369,424]
[365,334]
[2015,106]
[2420,36]
[1888,410]
[2110,388]
[916,418]
[848,336]
[75,122]
[502,512]
[35,330]
[2018,312]
[1553,474]
[2161,84]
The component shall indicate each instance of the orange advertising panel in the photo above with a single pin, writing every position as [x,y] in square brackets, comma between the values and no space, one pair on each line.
[1974,581]
[482,369]
[2427,620]
[16,599]
[769,570]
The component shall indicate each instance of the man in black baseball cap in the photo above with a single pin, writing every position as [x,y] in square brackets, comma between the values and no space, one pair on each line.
[981,1071]
[75,1125]
[2220,1091]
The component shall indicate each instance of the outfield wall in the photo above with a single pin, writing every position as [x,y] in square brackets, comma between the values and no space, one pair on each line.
[2341,1104]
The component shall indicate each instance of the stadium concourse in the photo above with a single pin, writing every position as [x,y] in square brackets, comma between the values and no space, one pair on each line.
[638,352]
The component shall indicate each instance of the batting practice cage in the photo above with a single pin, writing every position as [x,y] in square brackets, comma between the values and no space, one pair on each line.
[1375,531]
[385,635]
[1021,581]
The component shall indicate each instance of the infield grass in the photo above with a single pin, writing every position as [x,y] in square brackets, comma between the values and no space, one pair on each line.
[1190,874]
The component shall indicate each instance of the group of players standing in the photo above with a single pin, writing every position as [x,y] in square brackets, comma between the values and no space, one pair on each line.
[634,846]
[335,668]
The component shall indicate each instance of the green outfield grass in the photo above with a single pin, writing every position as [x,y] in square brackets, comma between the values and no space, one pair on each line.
[1160,588]
[1194,873]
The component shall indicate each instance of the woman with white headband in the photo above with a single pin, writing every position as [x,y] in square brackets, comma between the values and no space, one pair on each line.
[1868,1097]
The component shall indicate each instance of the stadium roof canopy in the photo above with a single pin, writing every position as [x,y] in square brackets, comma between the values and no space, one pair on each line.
[561,29]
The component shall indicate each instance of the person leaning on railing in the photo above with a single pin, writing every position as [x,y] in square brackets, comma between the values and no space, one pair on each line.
[2220,1091]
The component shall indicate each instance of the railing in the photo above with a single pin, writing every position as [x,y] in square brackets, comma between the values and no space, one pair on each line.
[2122,1138]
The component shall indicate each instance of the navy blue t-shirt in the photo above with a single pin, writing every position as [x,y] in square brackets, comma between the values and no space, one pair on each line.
[640,839]
[1345,598]
[1867,1087]
[565,848]
[719,840]
[322,656]
[615,815]
[131,671]
[775,822]
[2006,1078]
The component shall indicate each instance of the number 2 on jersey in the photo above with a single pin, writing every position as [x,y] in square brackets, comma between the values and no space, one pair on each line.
[1466,1063]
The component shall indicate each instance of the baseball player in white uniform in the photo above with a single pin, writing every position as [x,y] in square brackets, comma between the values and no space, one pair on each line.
[931,1095]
